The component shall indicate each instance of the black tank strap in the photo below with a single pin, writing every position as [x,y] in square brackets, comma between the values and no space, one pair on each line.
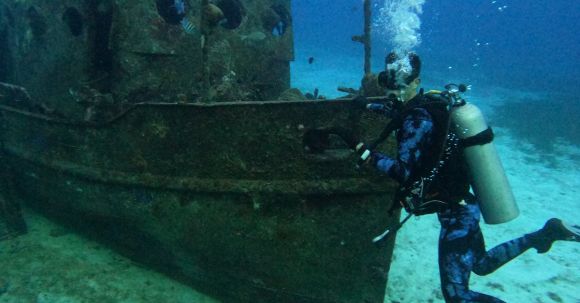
[392,126]
[481,138]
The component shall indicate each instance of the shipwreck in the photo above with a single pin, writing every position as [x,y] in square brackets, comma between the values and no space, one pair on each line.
[175,135]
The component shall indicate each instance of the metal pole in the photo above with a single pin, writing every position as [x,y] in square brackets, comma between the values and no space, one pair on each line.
[367,35]
[365,38]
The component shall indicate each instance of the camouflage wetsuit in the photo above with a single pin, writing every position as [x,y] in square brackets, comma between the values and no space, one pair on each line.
[461,243]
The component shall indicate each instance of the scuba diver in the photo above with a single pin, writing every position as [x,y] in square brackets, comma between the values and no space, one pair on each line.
[437,163]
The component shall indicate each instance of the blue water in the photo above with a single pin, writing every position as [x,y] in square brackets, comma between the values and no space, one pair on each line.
[521,58]
[522,55]
[495,46]
[528,45]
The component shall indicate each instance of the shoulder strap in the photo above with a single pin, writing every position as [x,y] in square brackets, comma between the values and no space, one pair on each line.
[435,104]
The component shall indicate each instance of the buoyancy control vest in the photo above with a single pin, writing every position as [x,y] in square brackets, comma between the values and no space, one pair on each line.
[440,180]
[462,156]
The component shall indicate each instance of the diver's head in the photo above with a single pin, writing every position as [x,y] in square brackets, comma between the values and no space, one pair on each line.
[401,75]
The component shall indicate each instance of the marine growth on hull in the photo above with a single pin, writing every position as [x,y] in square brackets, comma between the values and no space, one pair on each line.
[99,57]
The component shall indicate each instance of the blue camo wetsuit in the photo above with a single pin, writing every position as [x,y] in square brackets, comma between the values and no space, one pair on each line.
[461,243]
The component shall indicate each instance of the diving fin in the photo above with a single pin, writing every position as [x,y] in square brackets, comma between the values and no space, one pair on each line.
[554,230]
[573,232]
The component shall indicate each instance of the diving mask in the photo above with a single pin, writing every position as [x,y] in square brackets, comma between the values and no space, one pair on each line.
[399,71]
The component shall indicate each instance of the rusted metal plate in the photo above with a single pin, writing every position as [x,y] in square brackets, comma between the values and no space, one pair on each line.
[222,195]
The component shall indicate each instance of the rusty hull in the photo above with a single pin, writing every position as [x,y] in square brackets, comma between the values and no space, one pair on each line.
[222,195]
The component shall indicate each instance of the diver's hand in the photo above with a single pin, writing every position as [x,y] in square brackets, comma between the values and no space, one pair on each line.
[317,140]
[364,154]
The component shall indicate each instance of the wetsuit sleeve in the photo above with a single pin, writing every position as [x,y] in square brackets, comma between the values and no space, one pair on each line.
[414,139]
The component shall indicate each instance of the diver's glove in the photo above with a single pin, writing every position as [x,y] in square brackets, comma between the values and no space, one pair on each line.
[346,135]
[364,153]
[317,140]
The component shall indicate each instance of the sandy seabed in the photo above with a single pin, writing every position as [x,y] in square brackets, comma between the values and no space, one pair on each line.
[51,264]
[542,192]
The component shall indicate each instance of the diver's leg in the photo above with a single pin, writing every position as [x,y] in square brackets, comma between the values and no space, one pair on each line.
[541,240]
[460,243]
[496,257]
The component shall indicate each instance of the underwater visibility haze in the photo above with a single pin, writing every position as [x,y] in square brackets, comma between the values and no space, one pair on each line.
[202,150]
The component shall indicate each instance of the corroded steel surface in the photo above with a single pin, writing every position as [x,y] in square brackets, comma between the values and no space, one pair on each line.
[132,51]
[223,195]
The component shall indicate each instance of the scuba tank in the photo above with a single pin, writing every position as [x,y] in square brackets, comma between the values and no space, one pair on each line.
[488,179]
[487,176]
